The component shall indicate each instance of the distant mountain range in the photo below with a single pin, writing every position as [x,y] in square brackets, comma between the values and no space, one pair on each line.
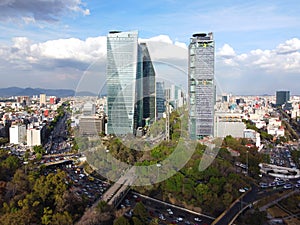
[16,91]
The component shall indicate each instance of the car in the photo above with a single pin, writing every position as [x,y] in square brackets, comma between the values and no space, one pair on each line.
[273,184]
[288,186]
[180,219]
[242,190]
[297,185]
[280,183]
[162,217]
[197,219]
[263,185]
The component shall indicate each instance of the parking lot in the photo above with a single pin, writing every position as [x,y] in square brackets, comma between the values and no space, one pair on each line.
[82,185]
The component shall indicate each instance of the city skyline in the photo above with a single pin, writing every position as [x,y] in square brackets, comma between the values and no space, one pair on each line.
[256,42]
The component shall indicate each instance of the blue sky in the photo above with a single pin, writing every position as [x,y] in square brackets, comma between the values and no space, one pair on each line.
[49,43]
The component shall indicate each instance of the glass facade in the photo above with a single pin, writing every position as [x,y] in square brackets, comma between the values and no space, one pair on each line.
[160,99]
[122,57]
[201,86]
[282,97]
[149,92]
[130,83]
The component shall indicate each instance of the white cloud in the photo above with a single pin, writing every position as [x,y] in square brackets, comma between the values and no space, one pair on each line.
[71,57]
[22,51]
[284,58]
[159,38]
[226,51]
[180,44]
[291,45]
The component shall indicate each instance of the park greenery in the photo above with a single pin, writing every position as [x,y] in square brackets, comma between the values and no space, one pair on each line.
[28,196]
[209,191]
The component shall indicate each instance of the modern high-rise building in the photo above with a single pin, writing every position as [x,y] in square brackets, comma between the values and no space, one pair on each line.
[34,137]
[282,97]
[130,83]
[43,99]
[17,134]
[201,85]
[148,86]
[160,99]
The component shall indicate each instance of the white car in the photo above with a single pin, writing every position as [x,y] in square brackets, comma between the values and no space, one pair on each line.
[242,190]
[288,186]
[162,217]
[197,219]
[179,219]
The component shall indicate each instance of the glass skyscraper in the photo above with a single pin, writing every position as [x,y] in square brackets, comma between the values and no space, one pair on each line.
[130,83]
[201,85]
[160,99]
[282,97]
[149,92]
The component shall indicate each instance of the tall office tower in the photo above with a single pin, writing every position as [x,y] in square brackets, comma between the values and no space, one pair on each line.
[201,85]
[42,99]
[282,97]
[160,99]
[130,83]
[149,92]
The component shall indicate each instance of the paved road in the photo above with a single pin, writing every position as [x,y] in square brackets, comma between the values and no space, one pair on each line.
[250,197]
[263,208]
[158,208]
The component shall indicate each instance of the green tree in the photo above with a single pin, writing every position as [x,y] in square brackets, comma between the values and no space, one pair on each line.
[39,149]
[154,221]
[61,219]
[137,221]
[140,212]
[121,221]
[47,216]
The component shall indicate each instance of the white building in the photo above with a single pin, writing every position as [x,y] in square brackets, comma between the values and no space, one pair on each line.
[253,135]
[229,124]
[260,124]
[17,134]
[274,122]
[89,109]
[34,137]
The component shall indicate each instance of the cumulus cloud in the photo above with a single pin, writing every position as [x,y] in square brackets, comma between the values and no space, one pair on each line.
[62,51]
[71,58]
[163,39]
[226,51]
[285,58]
[65,52]
[289,46]
[265,69]
[159,38]
[30,11]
